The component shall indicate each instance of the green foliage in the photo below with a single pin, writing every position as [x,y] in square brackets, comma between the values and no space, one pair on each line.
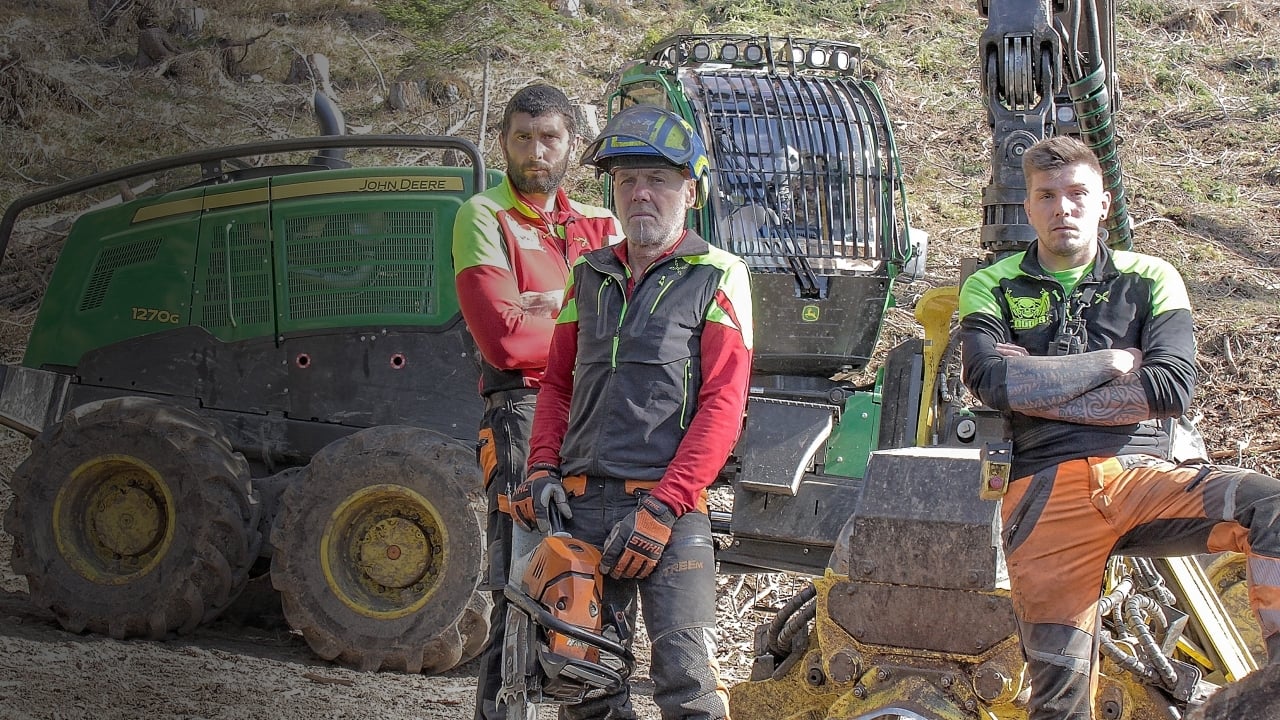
[453,30]
[1144,12]
[939,57]
[780,16]
[1223,193]
[651,37]
[1185,85]
[1208,190]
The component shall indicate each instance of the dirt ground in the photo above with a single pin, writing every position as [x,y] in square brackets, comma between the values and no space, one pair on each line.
[222,671]
[249,664]
[230,669]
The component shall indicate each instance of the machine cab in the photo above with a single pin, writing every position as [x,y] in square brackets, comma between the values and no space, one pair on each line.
[805,186]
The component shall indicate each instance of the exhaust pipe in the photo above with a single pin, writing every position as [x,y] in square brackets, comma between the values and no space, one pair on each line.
[331,123]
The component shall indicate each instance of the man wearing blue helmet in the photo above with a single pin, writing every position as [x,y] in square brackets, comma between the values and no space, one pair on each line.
[641,404]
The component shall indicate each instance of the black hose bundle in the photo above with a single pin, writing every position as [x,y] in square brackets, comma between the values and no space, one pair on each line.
[1132,614]
[792,617]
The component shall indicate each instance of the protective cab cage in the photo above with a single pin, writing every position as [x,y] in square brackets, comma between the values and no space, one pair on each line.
[806,186]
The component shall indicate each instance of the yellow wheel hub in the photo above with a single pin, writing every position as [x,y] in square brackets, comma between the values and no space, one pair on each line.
[383,551]
[114,519]
[395,552]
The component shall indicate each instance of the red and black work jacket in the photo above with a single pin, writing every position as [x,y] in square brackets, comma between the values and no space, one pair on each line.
[502,247]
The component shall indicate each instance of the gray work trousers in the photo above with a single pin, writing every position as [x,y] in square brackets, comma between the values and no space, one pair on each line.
[503,451]
[678,602]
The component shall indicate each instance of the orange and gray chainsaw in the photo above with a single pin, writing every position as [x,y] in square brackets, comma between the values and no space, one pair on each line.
[562,643]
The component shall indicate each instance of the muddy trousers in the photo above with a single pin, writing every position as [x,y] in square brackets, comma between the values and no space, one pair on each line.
[1063,523]
[502,451]
[678,603]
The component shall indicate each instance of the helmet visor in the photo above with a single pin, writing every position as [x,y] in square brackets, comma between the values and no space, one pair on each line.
[644,131]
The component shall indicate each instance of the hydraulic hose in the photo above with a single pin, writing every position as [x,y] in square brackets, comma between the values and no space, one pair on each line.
[1152,581]
[1126,661]
[1133,611]
[1092,102]
[790,619]
[1113,599]
[1132,615]
[797,623]
[1093,111]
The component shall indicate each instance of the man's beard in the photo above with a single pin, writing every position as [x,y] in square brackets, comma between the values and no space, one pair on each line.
[529,184]
[656,233]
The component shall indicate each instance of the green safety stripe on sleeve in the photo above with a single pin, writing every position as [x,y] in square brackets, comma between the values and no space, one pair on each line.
[1168,292]
[979,292]
[569,312]
[477,239]
[735,283]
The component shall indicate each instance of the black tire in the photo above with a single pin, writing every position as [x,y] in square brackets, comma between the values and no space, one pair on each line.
[474,626]
[133,518]
[378,551]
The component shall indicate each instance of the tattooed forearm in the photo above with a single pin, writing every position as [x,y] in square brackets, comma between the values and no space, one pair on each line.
[1049,383]
[1122,401]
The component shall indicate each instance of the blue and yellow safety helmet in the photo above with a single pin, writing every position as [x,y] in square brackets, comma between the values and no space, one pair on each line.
[647,135]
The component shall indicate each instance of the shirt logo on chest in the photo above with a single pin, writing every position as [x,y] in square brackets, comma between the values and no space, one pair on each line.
[1028,312]
[526,237]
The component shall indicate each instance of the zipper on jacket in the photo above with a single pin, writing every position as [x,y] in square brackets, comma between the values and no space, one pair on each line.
[663,286]
[600,303]
[617,336]
[609,279]
[684,394]
[622,317]
[601,320]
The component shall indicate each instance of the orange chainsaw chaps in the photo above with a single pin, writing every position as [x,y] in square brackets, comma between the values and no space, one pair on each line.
[562,577]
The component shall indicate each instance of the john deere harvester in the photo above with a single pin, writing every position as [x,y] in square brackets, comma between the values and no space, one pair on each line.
[262,371]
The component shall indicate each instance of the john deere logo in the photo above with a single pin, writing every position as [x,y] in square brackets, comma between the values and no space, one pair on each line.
[809,313]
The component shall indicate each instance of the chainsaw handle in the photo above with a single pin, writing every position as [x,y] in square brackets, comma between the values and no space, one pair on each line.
[556,521]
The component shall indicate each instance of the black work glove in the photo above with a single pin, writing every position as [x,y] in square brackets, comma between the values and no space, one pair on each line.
[532,498]
[635,544]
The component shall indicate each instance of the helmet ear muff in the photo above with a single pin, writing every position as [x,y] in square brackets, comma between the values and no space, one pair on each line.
[702,188]
[704,191]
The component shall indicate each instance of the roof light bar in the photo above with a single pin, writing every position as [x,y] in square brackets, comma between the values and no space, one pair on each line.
[777,53]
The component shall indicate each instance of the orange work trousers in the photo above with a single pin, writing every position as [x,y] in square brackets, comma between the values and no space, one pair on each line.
[1063,523]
